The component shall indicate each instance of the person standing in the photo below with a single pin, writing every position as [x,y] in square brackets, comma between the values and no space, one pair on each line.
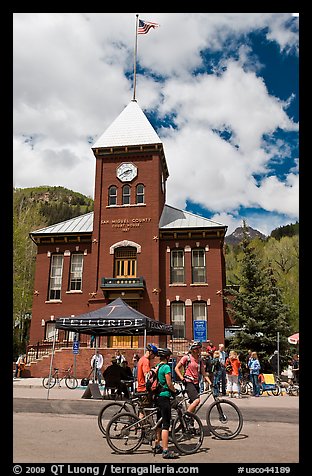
[193,366]
[163,403]
[135,372]
[254,370]
[295,368]
[210,348]
[273,360]
[92,341]
[97,362]
[19,366]
[233,374]
[144,366]
[223,357]
[216,370]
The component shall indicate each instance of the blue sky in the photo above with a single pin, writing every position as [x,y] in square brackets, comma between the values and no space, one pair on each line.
[221,89]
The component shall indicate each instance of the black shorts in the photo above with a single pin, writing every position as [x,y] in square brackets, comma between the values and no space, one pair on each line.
[192,390]
[163,403]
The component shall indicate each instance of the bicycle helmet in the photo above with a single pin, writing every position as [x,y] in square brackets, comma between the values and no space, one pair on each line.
[164,352]
[196,345]
[152,348]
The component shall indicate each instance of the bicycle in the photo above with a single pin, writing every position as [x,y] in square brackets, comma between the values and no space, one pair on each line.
[292,389]
[70,381]
[126,432]
[132,405]
[224,419]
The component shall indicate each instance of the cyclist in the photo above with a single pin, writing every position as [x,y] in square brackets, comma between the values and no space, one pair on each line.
[166,389]
[193,367]
[144,366]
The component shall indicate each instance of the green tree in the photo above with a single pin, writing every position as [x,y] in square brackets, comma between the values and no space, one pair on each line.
[257,308]
[283,256]
[25,218]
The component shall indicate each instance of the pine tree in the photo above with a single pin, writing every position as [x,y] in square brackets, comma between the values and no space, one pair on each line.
[257,309]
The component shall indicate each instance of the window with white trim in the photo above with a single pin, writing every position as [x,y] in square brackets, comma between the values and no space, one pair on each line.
[126,192]
[125,262]
[56,273]
[140,193]
[199,311]
[112,195]
[177,267]
[178,319]
[198,266]
[76,267]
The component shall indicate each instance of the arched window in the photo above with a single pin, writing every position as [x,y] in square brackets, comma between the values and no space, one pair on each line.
[140,193]
[112,195]
[126,195]
[125,262]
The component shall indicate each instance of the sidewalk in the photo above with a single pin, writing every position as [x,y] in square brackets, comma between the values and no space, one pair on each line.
[32,388]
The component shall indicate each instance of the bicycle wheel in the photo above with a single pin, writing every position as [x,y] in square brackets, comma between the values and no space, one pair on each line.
[124,433]
[49,382]
[224,419]
[187,433]
[71,382]
[276,391]
[110,410]
[244,388]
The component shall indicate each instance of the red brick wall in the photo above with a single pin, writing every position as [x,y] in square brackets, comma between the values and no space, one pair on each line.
[64,358]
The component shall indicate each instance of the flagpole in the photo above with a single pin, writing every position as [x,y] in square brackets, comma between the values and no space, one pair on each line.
[135,56]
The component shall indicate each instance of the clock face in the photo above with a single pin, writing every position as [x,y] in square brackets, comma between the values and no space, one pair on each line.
[127,172]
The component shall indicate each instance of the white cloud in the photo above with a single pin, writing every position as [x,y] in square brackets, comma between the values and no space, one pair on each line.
[70,84]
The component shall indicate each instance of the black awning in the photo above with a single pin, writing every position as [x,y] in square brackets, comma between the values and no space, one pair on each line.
[116,318]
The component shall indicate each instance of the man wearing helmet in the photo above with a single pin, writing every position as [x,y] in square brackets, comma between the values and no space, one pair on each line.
[163,403]
[144,366]
[193,366]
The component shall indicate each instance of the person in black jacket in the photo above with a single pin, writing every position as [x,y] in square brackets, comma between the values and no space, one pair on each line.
[113,375]
[127,375]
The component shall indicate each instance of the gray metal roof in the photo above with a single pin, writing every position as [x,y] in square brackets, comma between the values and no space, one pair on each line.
[131,127]
[80,224]
[171,218]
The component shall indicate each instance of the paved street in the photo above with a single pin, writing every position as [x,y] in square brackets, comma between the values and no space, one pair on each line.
[63,428]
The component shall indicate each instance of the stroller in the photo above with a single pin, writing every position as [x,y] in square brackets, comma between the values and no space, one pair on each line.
[268,384]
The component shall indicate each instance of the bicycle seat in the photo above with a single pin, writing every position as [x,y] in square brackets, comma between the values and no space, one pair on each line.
[55,368]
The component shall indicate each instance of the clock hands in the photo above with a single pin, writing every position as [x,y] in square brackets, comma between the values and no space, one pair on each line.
[126,172]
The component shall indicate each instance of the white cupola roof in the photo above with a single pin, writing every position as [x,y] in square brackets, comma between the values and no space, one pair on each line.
[131,127]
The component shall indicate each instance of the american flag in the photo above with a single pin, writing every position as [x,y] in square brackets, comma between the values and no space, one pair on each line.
[145,26]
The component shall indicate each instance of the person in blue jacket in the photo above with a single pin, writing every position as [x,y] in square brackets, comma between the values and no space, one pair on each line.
[254,370]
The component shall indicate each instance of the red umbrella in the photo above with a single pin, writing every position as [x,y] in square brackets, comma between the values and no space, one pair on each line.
[294,339]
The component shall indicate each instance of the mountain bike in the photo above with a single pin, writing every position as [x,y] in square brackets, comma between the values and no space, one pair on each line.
[70,381]
[126,432]
[131,405]
[224,419]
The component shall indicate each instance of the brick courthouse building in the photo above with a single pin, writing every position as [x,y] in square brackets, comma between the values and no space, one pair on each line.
[165,262]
